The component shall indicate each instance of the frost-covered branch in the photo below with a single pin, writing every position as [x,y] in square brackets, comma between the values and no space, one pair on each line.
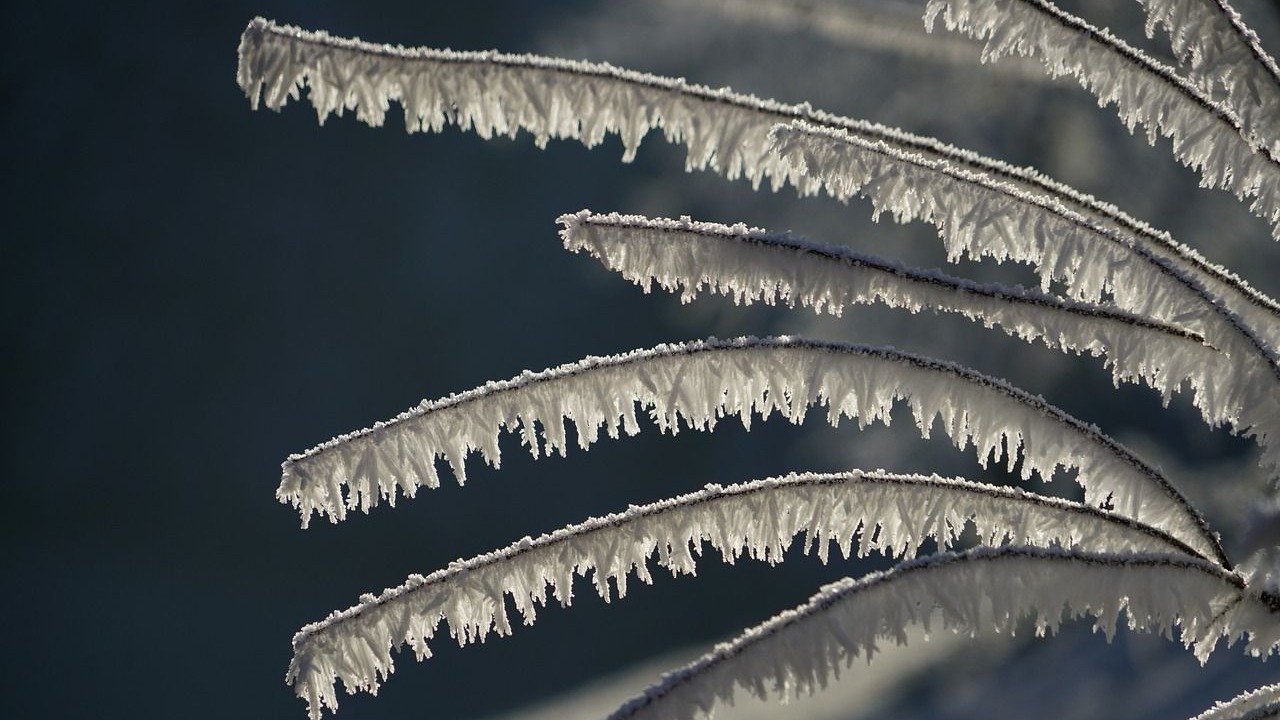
[979,216]
[751,264]
[801,650]
[1255,705]
[494,93]
[858,512]
[700,383]
[1206,136]
[1224,56]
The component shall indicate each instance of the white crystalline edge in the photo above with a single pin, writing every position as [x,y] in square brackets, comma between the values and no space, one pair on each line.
[1223,54]
[492,92]
[1206,136]
[754,265]
[800,650]
[1266,712]
[971,211]
[700,383]
[1241,706]
[860,512]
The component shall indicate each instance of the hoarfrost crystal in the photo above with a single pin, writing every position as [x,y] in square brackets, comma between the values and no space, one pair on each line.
[858,512]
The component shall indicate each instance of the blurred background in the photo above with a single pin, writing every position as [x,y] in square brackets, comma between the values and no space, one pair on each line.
[194,290]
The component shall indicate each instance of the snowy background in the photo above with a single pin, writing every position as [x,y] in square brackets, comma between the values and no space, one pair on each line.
[194,290]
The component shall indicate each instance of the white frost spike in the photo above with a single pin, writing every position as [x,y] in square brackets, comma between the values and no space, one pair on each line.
[801,650]
[751,264]
[978,216]
[1206,136]
[1224,55]
[700,383]
[858,512]
[494,93]
[1255,705]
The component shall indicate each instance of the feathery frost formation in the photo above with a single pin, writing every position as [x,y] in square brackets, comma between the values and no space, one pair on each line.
[1148,556]
[699,383]
[858,512]
[980,217]
[801,650]
[1255,705]
[751,264]
[1206,136]
[1224,56]
[494,93]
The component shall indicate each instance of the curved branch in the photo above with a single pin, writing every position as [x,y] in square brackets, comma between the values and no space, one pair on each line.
[701,382]
[751,264]
[893,514]
[495,93]
[800,650]
[1224,55]
[1258,704]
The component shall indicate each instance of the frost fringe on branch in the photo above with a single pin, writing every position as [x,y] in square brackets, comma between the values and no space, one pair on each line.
[859,512]
[751,264]
[1266,712]
[499,94]
[699,383]
[1206,136]
[971,210]
[1224,56]
[801,650]
[1255,705]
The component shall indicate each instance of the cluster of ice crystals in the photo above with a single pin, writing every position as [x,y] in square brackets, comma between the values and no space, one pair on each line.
[754,265]
[697,384]
[1223,56]
[801,650]
[495,93]
[1206,136]
[980,217]
[499,94]
[858,512]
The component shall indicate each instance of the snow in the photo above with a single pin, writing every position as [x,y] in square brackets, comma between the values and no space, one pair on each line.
[801,650]
[858,512]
